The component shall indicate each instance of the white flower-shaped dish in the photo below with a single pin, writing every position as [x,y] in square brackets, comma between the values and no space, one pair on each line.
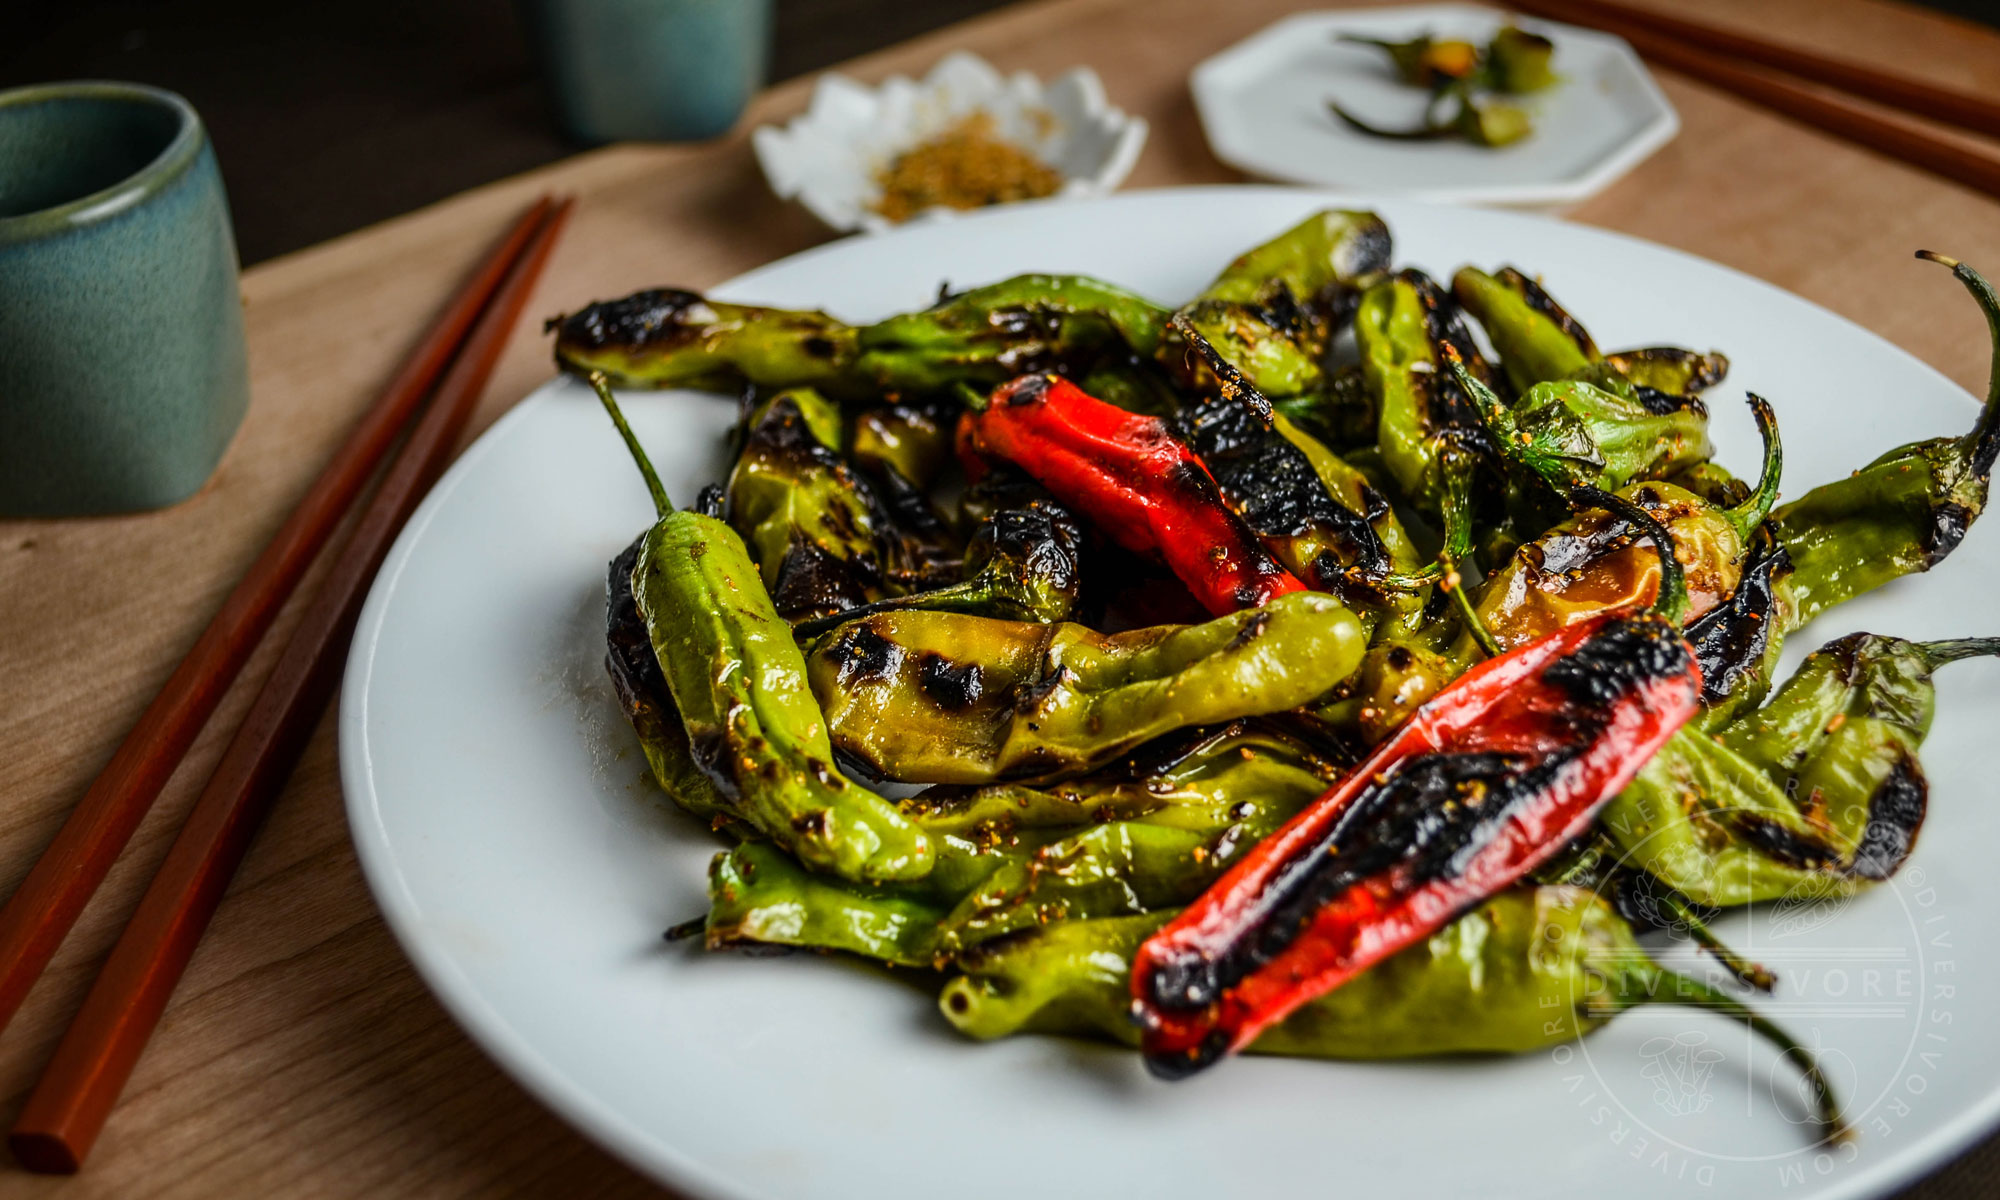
[1263,105]
[827,159]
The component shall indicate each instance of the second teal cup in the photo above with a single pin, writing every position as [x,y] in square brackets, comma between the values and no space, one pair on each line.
[122,368]
[650,70]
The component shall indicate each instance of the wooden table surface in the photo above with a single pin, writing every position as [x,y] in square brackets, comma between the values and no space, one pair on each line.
[301,1055]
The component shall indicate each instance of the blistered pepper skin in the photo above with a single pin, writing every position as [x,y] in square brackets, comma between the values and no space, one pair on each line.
[1819,793]
[934,697]
[1904,512]
[739,682]
[1274,311]
[666,337]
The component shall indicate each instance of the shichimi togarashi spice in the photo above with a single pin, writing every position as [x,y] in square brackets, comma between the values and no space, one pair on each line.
[967,166]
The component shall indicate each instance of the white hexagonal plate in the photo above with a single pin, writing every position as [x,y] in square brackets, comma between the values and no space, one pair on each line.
[1263,105]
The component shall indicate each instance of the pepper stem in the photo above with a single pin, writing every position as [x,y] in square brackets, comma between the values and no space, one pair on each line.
[1422,133]
[973,399]
[967,595]
[1234,385]
[1937,654]
[1747,516]
[686,929]
[1513,445]
[602,386]
[1666,987]
[1454,584]
[1672,601]
[1756,975]
[1981,445]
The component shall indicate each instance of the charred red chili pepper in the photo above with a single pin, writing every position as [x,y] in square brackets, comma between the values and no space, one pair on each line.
[1495,774]
[1128,474]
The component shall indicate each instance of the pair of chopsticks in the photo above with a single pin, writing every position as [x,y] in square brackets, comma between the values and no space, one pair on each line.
[82,1082]
[1716,55]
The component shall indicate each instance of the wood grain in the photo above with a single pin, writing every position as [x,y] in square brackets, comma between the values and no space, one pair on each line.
[301,1057]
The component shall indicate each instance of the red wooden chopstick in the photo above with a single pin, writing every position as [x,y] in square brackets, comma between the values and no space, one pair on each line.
[1831,112]
[81,1083]
[42,909]
[1953,107]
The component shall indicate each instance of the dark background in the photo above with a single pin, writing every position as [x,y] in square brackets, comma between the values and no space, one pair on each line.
[328,116]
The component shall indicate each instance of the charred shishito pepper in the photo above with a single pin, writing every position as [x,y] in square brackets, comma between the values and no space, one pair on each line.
[942,697]
[672,338]
[1276,480]
[1023,563]
[738,683]
[666,337]
[1818,793]
[1428,432]
[1529,969]
[1149,831]
[1128,475]
[1904,512]
[802,511]
[1494,775]
[1274,311]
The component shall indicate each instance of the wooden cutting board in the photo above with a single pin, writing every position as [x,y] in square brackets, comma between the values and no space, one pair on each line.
[301,1055]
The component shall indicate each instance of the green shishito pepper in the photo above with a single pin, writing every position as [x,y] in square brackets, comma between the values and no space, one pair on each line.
[1818,793]
[1428,432]
[990,334]
[1536,338]
[1902,513]
[1529,969]
[1274,311]
[738,682]
[802,511]
[1148,833]
[669,338]
[1538,341]
[939,697]
[666,337]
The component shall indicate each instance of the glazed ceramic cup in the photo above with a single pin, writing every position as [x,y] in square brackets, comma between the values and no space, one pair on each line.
[650,70]
[122,373]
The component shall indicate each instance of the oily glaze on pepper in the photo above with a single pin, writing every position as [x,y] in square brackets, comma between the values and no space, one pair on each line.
[1149,831]
[1819,793]
[1131,478]
[940,697]
[1904,512]
[1274,311]
[738,682]
[1495,774]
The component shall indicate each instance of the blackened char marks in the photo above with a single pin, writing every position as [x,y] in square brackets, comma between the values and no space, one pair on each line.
[1622,656]
[862,655]
[629,659]
[1895,814]
[650,318]
[949,685]
[1730,640]
[1545,304]
[1425,818]
[1450,408]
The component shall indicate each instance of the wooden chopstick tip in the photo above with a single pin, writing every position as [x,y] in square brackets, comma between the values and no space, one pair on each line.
[44,1153]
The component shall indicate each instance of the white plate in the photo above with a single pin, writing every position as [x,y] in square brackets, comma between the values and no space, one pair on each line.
[1263,106]
[496,799]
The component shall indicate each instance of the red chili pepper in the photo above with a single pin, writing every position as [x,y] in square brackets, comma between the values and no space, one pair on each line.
[1492,776]
[1130,476]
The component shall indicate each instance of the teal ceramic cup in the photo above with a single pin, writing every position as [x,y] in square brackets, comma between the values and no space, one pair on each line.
[650,70]
[122,373]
